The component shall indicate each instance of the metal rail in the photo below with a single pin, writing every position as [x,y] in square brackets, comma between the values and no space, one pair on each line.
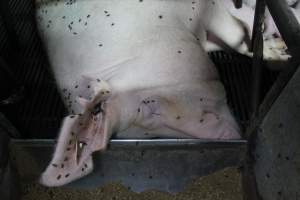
[145,143]
[257,64]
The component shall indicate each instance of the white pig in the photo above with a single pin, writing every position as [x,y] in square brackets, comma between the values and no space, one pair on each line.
[136,68]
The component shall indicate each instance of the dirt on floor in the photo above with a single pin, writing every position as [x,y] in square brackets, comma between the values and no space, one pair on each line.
[222,185]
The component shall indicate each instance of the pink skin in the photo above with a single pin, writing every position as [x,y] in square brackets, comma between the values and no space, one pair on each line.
[130,75]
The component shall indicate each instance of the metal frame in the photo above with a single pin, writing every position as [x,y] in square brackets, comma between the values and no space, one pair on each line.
[289,29]
[146,143]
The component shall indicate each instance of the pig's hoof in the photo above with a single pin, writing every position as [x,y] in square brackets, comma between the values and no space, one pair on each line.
[275,50]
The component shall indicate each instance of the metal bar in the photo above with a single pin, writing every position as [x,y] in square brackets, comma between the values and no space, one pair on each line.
[145,143]
[250,191]
[287,25]
[257,47]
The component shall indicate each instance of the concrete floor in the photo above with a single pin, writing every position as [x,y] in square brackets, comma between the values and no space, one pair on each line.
[222,185]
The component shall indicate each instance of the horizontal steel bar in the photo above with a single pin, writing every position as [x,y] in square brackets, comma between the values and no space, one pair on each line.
[144,143]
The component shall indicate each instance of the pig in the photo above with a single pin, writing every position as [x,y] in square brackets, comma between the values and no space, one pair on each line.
[252,3]
[134,69]
[274,47]
[270,28]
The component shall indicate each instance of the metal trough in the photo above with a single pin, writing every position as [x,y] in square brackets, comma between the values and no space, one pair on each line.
[162,164]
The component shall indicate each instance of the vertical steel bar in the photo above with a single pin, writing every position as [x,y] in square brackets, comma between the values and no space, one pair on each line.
[257,47]
[250,191]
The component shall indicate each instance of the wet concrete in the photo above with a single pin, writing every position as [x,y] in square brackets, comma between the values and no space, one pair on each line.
[222,185]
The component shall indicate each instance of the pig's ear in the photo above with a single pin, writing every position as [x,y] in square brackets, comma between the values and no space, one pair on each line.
[64,167]
[79,137]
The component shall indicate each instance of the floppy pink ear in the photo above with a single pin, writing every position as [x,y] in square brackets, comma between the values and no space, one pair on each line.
[79,137]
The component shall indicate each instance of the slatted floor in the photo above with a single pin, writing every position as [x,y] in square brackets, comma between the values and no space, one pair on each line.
[39,114]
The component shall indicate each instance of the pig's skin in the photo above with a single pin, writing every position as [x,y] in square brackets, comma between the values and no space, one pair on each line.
[144,62]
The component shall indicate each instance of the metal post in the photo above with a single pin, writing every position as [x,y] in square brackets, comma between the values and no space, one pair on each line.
[257,48]
[248,177]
